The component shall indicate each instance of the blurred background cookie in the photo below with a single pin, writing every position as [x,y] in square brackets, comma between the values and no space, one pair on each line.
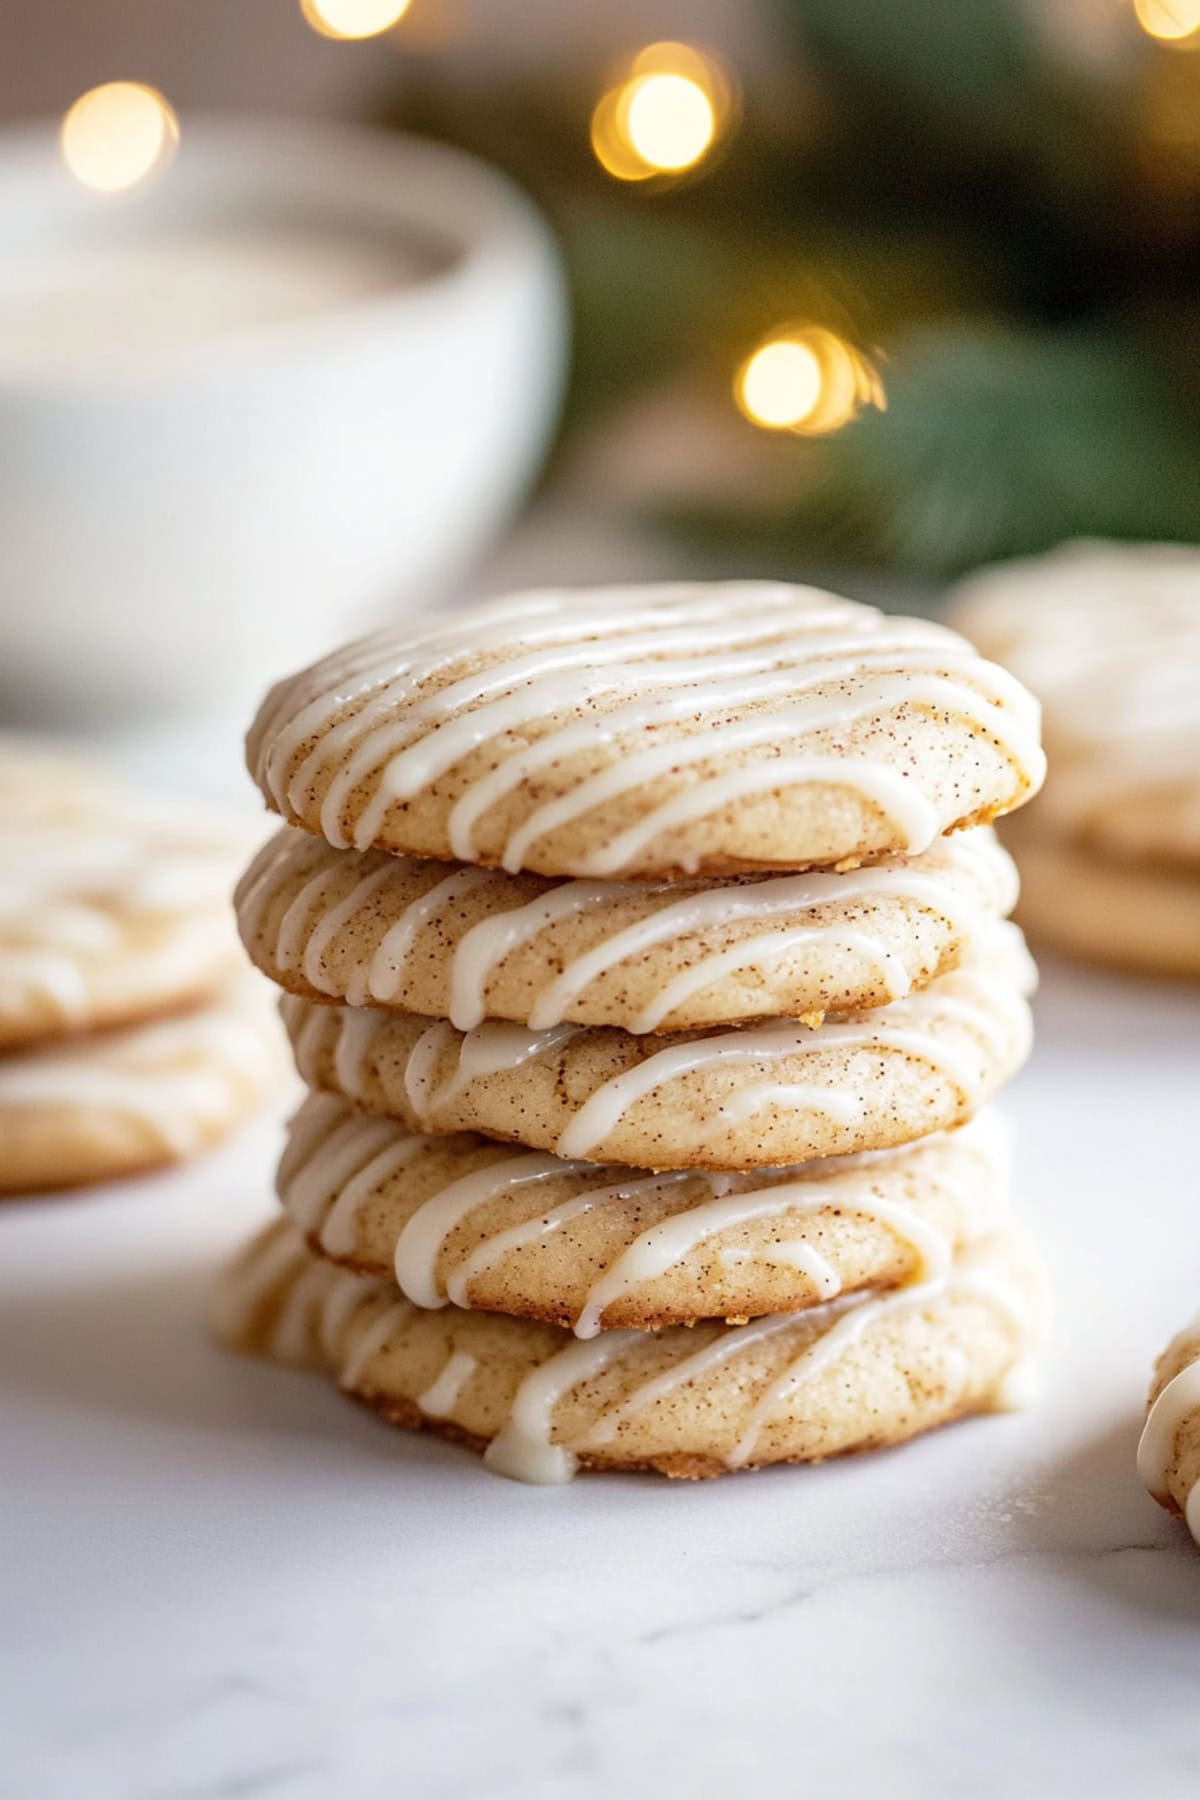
[114,903]
[1108,637]
[120,1102]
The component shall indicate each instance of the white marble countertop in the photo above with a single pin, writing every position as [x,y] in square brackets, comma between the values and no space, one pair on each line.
[222,1582]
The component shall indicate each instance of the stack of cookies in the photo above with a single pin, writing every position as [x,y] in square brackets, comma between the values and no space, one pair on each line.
[649,1015]
[1108,637]
[132,1033]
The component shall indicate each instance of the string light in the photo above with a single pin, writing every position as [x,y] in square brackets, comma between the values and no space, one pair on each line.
[663,114]
[1168,20]
[114,136]
[348,19]
[805,379]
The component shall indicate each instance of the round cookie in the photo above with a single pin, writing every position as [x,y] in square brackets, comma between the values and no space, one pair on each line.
[1169,1451]
[1108,637]
[1134,916]
[498,1229]
[858,1372]
[469,944]
[770,1094]
[113,907]
[124,1101]
[650,731]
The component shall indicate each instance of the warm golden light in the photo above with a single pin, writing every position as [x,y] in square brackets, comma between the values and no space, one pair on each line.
[116,135]
[779,386]
[1168,20]
[353,18]
[669,120]
[663,114]
[807,380]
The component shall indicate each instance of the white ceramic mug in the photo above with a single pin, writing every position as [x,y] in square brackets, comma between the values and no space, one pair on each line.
[184,513]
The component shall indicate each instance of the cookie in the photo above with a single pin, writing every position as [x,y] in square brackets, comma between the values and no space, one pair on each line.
[1169,1451]
[650,731]
[1108,637]
[855,1373]
[113,906]
[773,1093]
[498,1229]
[1140,917]
[123,1101]
[467,944]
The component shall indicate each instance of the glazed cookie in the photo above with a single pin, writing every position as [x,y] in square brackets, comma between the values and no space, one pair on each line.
[775,1093]
[858,1372]
[1108,637]
[470,944]
[124,1101]
[112,906]
[650,731]
[275,1299]
[502,1230]
[1169,1453]
[1135,916]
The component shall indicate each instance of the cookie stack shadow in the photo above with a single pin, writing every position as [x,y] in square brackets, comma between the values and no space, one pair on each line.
[649,1013]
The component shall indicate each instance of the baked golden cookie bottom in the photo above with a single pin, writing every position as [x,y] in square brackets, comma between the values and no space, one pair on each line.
[465,944]
[774,1093]
[499,1228]
[1169,1451]
[1144,918]
[121,1102]
[859,1373]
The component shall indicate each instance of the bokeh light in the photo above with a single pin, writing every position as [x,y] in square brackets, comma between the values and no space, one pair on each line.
[662,114]
[780,385]
[1168,20]
[348,19]
[805,379]
[670,120]
[114,136]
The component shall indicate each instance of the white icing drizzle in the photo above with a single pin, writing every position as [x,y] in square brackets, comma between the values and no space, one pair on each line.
[907,1027]
[844,1330]
[328,1188]
[420,1243]
[980,1002]
[492,1048]
[1178,1402]
[806,1259]
[486,944]
[625,664]
[967,875]
[523,1449]
[367,1344]
[320,1305]
[439,1400]
[527,1451]
[386,970]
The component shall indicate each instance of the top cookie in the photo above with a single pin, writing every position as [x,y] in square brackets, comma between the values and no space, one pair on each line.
[650,731]
[112,907]
[1108,637]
